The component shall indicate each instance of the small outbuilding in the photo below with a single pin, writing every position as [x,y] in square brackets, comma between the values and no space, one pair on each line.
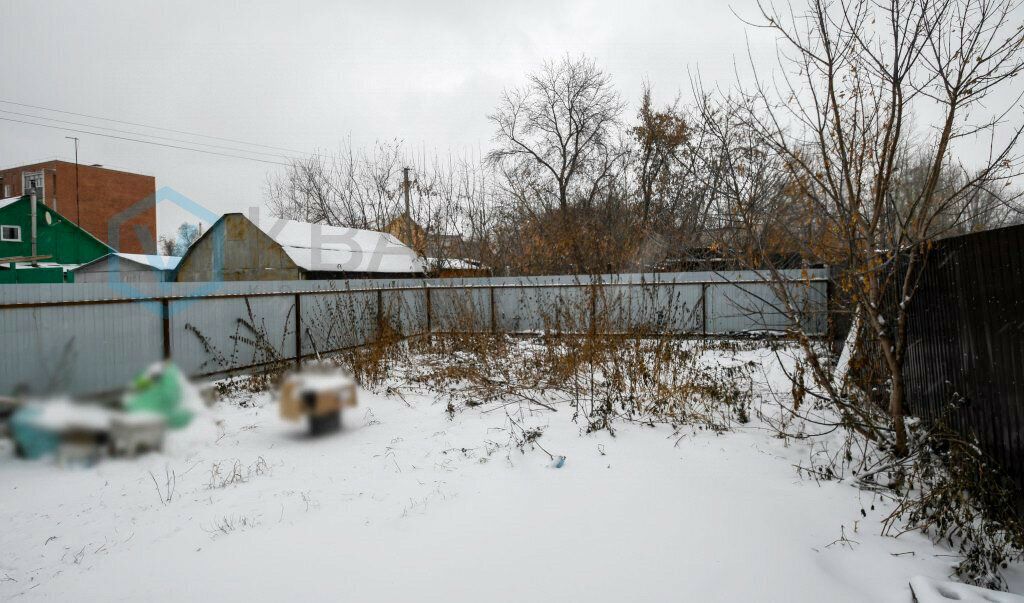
[128,268]
[240,248]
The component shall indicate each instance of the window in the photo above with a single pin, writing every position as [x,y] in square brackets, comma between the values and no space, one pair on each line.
[10,233]
[33,180]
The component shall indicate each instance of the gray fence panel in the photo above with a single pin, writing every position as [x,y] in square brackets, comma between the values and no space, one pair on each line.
[460,310]
[77,349]
[514,310]
[752,307]
[651,307]
[102,291]
[743,308]
[216,335]
[533,309]
[405,311]
[338,321]
[681,308]
[87,348]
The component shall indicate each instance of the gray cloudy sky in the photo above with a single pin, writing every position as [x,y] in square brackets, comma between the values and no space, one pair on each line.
[307,74]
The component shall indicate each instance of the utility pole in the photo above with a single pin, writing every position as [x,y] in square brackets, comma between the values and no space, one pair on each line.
[78,209]
[408,216]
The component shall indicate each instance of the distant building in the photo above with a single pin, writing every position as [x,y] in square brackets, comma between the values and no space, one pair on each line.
[411,234]
[446,255]
[102,194]
[128,268]
[272,249]
[59,246]
[454,268]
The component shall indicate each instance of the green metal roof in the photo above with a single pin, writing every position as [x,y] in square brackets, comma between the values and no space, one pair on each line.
[62,240]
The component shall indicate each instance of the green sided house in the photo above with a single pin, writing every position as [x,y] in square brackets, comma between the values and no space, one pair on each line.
[59,245]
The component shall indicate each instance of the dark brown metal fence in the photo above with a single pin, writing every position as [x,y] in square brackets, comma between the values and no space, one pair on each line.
[965,356]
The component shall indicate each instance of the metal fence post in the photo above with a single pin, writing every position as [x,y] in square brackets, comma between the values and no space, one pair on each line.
[380,314]
[494,319]
[593,308]
[704,308]
[165,314]
[430,322]
[298,332]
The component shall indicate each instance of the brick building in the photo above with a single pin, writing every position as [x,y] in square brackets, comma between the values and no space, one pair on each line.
[102,194]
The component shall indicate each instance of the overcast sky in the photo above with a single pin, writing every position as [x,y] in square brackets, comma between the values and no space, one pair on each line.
[307,74]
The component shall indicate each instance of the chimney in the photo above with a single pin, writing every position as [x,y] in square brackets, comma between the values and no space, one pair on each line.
[32,202]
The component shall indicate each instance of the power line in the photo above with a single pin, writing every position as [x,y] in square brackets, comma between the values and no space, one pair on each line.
[205,144]
[131,123]
[159,144]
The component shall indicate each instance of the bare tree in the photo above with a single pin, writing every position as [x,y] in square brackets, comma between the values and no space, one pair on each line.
[874,189]
[359,189]
[557,138]
[451,197]
[179,244]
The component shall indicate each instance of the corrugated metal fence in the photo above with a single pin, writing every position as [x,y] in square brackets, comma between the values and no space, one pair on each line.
[965,354]
[87,339]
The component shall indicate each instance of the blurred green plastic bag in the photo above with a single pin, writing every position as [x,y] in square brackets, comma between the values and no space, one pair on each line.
[158,389]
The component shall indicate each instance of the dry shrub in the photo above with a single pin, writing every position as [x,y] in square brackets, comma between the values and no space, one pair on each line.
[952,491]
[250,346]
[603,379]
[945,486]
[372,364]
[582,358]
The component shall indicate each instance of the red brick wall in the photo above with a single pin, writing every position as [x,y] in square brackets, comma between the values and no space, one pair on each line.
[103,193]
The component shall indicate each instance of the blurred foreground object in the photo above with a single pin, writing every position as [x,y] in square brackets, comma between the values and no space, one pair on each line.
[132,433]
[318,396]
[158,390]
[75,432]
[30,440]
[80,433]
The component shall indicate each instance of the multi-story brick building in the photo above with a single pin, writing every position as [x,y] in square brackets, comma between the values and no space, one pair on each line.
[102,194]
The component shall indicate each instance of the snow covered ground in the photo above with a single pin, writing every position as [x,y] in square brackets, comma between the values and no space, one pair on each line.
[407,504]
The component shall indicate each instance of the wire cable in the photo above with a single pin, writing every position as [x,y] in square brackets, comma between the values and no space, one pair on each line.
[141,125]
[159,144]
[143,134]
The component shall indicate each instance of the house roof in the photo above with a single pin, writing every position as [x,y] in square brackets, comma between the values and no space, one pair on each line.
[338,249]
[49,163]
[8,201]
[42,208]
[456,264]
[160,262]
[156,262]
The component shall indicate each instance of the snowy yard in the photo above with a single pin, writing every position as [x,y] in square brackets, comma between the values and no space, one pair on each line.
[409,504]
